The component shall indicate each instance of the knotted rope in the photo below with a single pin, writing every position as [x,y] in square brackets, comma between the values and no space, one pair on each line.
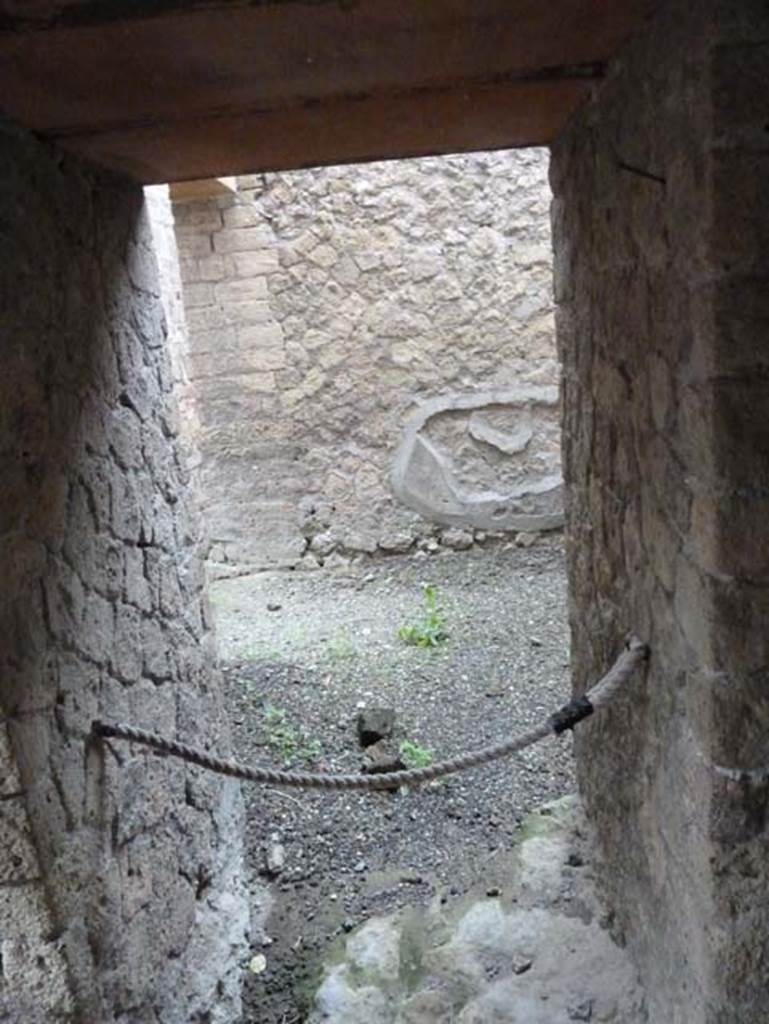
[567,717]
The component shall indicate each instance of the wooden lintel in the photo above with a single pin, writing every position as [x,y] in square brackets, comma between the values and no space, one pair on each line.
[169,90]
[347,130]
[202,188]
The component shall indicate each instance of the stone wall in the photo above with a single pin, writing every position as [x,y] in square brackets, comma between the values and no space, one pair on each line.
[161,219]
[120,894]
[328,310]
[661,229]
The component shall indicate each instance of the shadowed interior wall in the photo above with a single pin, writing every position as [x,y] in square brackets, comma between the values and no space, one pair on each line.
[102,614]
[661,229]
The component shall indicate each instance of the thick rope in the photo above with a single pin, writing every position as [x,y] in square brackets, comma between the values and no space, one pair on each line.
[580,707]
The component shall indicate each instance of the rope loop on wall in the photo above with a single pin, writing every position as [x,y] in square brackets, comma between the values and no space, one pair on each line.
[600,695]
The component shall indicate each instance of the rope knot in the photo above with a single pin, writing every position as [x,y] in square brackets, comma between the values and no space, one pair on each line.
[571,713]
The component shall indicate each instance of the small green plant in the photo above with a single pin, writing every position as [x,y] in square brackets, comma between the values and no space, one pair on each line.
[415,756]
[260,650]
[285,740]
[340,646]
[430,629]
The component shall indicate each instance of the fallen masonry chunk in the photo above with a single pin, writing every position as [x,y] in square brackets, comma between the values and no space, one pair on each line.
[275,858]
[521,964]
[581,1011]
[396,543]
[375,724]
[457,540]
[382,756]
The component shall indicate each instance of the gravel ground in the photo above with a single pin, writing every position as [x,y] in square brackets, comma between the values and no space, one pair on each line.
[303,654]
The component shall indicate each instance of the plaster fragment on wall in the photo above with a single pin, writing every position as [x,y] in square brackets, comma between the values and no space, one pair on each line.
[455,466]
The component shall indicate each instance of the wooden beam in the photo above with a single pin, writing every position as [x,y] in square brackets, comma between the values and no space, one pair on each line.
[202,188]
[153,87]
[344,130]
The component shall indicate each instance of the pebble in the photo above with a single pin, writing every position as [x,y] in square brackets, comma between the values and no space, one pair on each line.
[581,1011]
[275,858]
[258,964]
[457,540]
[272,606]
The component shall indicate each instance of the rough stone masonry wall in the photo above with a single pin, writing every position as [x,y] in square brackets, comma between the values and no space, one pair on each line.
[120,890]
[330,308]
[661,232]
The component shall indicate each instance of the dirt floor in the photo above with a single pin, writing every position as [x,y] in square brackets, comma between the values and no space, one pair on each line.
[303,655]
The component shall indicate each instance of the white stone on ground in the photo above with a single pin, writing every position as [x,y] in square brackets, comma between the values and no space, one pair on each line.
[526,957]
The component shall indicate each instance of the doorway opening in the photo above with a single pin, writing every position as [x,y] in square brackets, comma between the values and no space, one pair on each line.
[368,379]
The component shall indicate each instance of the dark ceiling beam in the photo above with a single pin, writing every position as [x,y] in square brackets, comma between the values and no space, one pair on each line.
[339,130]
[168,90]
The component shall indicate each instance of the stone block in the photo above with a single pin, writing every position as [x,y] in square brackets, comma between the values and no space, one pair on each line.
[198,294]
[241,291]
[324,255]
[375,724]
[457,540]
[210,268]
[204,319]
[261,336]
[254,311]
[248,366]
[253,264]
[396,542]
[242,240]
[18,861]
[35,972]
[193,245]
[197,217]
[126,654]
[243,215]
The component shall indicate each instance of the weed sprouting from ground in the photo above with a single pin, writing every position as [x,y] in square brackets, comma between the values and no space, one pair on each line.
[286,741]
[261,650]
[430,630]
[414,755]
[340,646]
